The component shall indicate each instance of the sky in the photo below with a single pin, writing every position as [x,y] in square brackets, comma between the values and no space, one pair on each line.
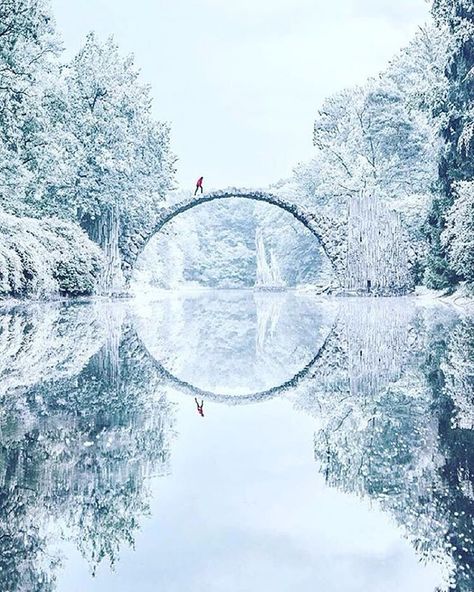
[241,81]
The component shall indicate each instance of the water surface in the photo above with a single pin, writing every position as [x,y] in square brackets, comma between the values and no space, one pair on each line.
[333,451]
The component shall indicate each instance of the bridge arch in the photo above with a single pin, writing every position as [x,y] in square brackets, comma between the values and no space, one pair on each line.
[310,221]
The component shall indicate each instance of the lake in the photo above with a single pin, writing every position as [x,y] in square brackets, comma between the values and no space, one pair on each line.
[237,441]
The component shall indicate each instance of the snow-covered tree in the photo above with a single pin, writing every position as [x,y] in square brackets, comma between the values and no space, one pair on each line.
[29,69]
[457,129]
[368,138]
[458,17]
[79,143]
[382,137]
[46,258]
[123,165]
[458,236]
[418,71]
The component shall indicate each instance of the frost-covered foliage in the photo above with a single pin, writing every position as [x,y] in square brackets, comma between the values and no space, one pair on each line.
[367,138]
[382,137]
[122,163]
[458,236]
[456,17]
[31,156]
[78,140]
[46,257]
[121,157]
[418,71]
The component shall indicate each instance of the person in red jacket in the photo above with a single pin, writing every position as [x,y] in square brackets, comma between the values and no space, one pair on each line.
[199,185]
[200,409]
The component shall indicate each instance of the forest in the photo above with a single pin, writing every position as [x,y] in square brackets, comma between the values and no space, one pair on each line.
[82,157]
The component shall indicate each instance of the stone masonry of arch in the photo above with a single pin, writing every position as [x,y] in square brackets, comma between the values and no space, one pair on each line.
[366,242]
[332,236]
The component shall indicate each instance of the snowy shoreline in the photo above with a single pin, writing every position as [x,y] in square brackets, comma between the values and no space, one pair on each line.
[461,298]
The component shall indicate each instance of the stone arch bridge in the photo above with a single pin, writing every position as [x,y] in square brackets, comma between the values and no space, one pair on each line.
[327,231]
[365,242]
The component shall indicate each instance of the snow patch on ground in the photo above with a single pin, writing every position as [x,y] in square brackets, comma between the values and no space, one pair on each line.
[462,297]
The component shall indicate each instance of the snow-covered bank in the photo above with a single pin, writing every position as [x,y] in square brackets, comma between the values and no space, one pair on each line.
[46,258]
[463,296]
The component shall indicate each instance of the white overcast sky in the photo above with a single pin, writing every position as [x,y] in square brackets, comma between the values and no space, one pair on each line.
[240,81]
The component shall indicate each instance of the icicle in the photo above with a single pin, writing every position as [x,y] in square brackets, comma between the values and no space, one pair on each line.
[378,247]
[104,230]
[268,273]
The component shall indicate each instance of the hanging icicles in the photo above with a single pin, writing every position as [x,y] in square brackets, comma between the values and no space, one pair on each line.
[104,230]
[378,249]
[268,271]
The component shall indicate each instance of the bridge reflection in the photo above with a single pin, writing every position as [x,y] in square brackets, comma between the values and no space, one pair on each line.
[309,371]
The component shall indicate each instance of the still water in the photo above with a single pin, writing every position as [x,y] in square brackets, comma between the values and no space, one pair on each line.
[237,442]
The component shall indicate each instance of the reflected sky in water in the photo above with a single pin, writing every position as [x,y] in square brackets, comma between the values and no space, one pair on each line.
[334,450]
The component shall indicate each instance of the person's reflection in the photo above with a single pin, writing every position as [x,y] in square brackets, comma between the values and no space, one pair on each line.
[200,409]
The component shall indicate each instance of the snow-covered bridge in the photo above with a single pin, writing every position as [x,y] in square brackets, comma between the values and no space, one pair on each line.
[365,241]
[134,242]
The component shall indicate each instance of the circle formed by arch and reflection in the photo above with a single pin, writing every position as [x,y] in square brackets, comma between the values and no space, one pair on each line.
[194,391]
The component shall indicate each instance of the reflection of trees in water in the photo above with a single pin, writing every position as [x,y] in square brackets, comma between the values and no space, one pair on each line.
[75,455]
[453,388]
[24,561]
[367,349]
[458,369]
[80,435]
[53,340]
[406,439]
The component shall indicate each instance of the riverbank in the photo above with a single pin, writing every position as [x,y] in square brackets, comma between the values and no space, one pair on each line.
[462,297]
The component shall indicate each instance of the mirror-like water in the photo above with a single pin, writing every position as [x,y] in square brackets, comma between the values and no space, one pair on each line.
[239,442]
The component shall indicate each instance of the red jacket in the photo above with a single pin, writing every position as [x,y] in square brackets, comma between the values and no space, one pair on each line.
[199,182]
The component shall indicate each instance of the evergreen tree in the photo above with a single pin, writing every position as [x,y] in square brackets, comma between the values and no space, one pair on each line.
[459,233]
[381,136]
[456,163]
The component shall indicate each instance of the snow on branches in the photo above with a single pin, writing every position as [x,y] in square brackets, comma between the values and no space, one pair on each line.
[44,258]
